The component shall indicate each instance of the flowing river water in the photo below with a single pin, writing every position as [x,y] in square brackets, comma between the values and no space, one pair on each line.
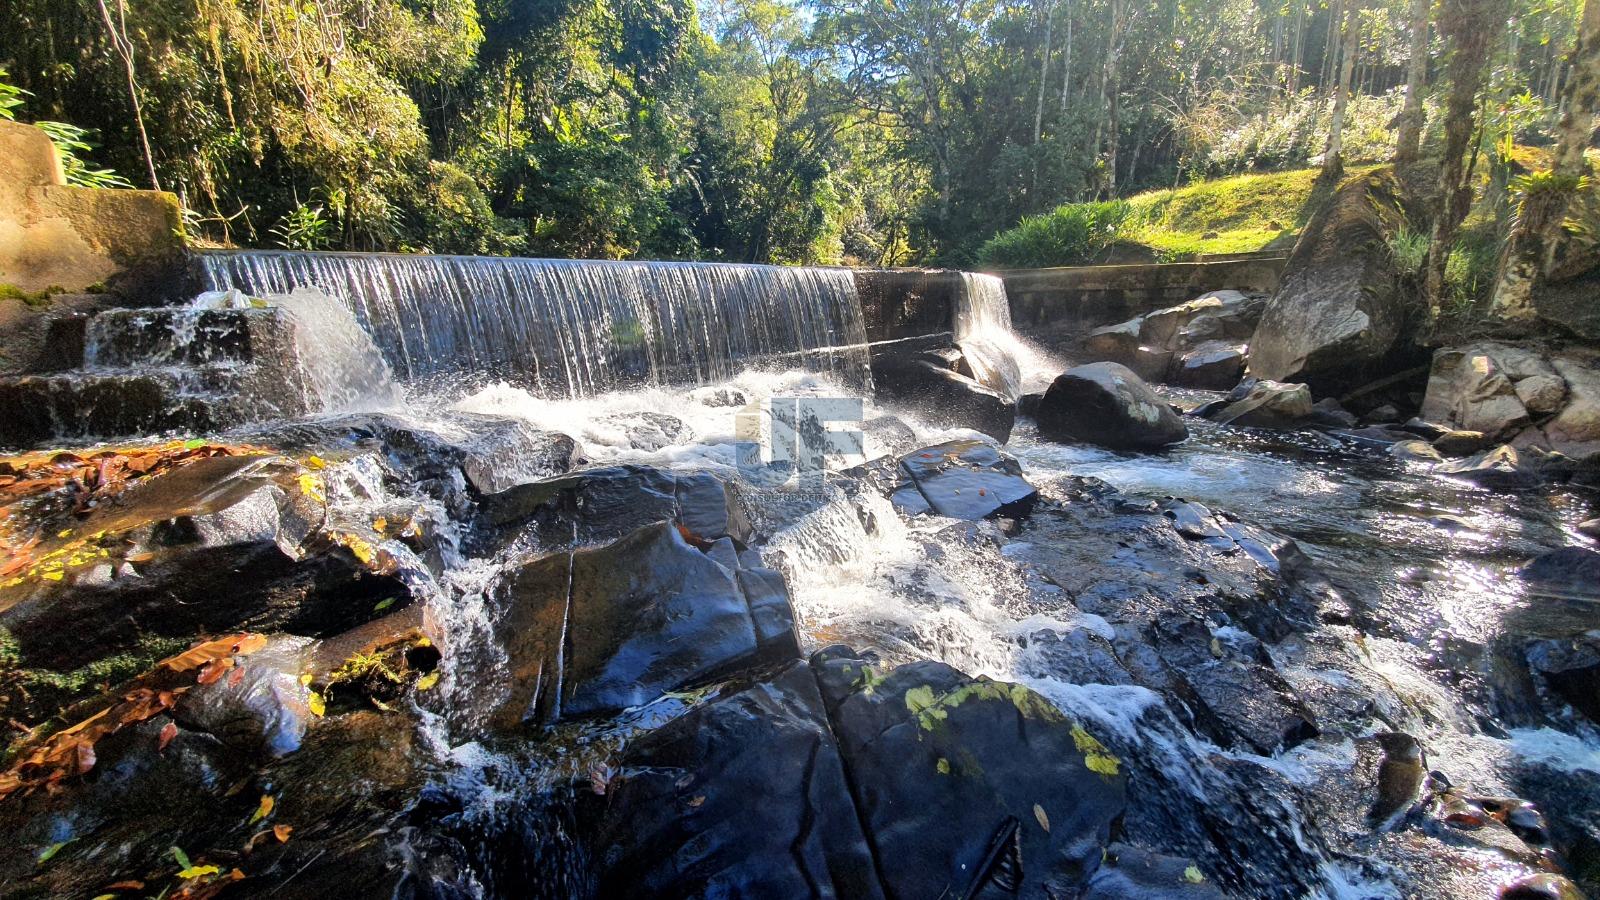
[1421,567]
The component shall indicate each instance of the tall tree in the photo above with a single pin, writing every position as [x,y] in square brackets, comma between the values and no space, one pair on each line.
[1349,47]
[1469,29]
[1408,144]
[1546,196]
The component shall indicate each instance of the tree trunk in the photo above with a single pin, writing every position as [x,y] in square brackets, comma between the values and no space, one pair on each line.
[1531,247]
[1066,61]
[1108,94]
[1044,72]
[1468,28]
[1408,147]
[1333,157]
[124,48]
[1297,55]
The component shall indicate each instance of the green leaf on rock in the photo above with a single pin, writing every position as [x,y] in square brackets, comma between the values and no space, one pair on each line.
[1193,875]
[49,852]
[194,444]
[181,857]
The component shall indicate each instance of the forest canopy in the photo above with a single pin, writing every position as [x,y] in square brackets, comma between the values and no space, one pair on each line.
[875,132]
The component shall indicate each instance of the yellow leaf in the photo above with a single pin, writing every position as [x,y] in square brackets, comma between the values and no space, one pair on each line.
[943,765]
[1044,820]
[106,897]
[316,462]
[198,872]
[1193,875]
[426,682]
[380,524]
[306,679]
[318,706]
[64,533]
[265,809]
[49,852]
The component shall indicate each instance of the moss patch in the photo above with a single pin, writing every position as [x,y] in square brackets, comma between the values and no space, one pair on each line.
[32,298]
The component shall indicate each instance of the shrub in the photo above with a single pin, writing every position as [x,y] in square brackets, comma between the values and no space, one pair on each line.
[1073,234]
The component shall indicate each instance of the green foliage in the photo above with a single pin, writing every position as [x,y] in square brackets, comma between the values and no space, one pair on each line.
[10,98]
[1071,235]
[303,228]
[1409,249]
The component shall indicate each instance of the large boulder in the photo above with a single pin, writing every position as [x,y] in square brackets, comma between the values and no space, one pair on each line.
[1527,396]
[969,786]
[1197,344]
[1343,312]
[1106,404]
[606,628]
[935,392]
[745,795]
[597,506]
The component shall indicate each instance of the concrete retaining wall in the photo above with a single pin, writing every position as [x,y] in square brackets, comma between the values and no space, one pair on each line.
[1066,303]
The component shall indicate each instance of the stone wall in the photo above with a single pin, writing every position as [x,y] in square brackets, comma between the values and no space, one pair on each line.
[56,236]
[1067,303]
[904,303]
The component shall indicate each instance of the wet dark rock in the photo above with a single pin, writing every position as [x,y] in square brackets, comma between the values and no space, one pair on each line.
[1399,778]
[1590,528]
[1501,469]
[222,544]
[492,453]
[744,795]
[1342,314]
[963,480]
[1134,873]
[1028,404]
[606,628]
[1564,574]
[940,396]
[600,505]
[1264,404]
[1460,443]
[264,710]
[1236,694]
[1377,435]
[1213,365]
[967,786]
[1108,405]
[1329,413]
[719,396]
[1381,415]
[1571,670]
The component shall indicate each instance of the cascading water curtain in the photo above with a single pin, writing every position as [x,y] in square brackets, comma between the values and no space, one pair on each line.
[576,327]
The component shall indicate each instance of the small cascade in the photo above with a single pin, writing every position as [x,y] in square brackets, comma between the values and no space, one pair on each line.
[983,331]
[576,327]
[344,372]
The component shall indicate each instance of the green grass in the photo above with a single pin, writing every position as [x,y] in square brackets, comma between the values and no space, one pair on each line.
[1239,214]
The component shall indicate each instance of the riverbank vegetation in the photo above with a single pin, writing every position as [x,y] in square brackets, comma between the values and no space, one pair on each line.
[765,131]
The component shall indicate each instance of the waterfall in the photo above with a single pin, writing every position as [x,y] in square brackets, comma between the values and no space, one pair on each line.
[983,331]
[576,327]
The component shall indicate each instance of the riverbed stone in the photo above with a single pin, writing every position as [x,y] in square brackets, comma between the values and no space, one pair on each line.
[1502,468]
[1460,442]
[1106,404]
[963,480]
[596,506]
[1134,873]
[1264,404]
[606,628]
[1571,572]
[745,795]
[968,786]
[1213,365]
[940,396]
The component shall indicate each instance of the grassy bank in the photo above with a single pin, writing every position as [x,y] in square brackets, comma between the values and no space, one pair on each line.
[1241,214]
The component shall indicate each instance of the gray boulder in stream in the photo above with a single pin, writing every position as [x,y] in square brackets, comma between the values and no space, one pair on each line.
[932,389]
[1106,404]
[963,480]
[1342,314]
[603,629]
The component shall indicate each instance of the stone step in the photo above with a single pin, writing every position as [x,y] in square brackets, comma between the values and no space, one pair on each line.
[126,338]
[88,405]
